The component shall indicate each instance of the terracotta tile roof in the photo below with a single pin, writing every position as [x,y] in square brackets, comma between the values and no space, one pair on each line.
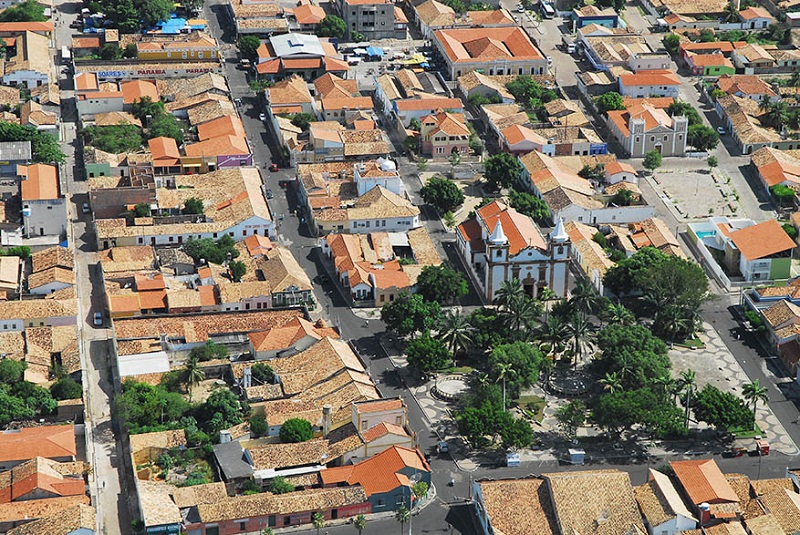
[379,203]
[285,336]
[39,475]
[435,15]
[225,145]
[762,240]
[744,85]
[383,429]
[482,44]
[164,150]
[262,504]
[22,27]
[519,229]
[755,12]
[653,118]
[137,90]
[431,103]
[191,496]
[659,501]
[330,85]
[351,103]
[199,327]
[709,60]
[50,441]
[225,125]
[594,501]
[308,14]
[257,245]
[784,505]
[381,473]
[763,486]
[763,525]
[114,118]
[127,258]
[650,78]
[68,520]
[54,274]
[703,481]
[778,314]
[210,110]
[379,405]
[506,501]
[34,509]
[292,90]
[40,182]
[283,272]
[517,133]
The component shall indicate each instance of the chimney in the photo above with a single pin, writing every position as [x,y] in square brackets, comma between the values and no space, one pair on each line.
[225,436]
[327,420]
[705,513]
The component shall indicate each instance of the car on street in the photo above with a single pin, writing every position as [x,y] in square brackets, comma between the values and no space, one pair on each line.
[262,117]
[270,195]
[98,319]
[520,9]
[85,208]
[721,131]
[273,167]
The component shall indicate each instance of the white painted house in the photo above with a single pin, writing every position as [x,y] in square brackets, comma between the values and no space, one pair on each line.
[662,507]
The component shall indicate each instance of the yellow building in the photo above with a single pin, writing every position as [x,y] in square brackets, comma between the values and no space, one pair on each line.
[194,46]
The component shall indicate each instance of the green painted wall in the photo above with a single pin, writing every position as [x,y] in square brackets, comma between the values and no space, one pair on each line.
[781,268]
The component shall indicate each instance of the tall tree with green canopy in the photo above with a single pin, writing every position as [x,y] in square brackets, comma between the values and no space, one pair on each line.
[427,354]
[155,11]
[27,11]
[609,101]
[524,359]
[501,170]
[331,26]
[248,45]
[410,313]
[442,284]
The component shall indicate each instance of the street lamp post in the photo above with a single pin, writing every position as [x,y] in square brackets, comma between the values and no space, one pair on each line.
[414,479]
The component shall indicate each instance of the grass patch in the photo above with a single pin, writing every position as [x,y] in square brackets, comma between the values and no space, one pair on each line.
[691,342]
[747,433]
[459,369]
[532,406]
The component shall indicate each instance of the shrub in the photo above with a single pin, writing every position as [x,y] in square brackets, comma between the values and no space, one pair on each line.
[296,430]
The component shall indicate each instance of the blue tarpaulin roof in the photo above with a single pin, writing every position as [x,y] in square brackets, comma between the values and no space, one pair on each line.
[374,51]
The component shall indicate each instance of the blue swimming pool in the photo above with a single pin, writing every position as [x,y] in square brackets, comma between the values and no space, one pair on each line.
[705,234]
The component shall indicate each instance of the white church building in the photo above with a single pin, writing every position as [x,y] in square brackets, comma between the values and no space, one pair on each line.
[501,244]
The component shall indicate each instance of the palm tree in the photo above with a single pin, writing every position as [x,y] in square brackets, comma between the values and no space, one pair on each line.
[455,331]
[509,291]
[545,368]
[521,314]
[577,328]
[193,373]
[688,378]
[318,521]
[670,386]
[731,13]
[504,370]
[776,115]
[619,314]
[402,515]
[673,322]
[611,382]
[553,332]
[583,297]
[360,523]
[547,294]
[754,393]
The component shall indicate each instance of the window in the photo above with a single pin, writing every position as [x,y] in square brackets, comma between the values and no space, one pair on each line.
[638,139]
[498,253]
[652,138]
[383,298]
[665,138]
[398,420]
[242,526]
[287,520]
[170,239]
[215,234]
[141,240]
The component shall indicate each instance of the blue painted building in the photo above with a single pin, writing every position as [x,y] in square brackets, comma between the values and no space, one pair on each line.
[587,15]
